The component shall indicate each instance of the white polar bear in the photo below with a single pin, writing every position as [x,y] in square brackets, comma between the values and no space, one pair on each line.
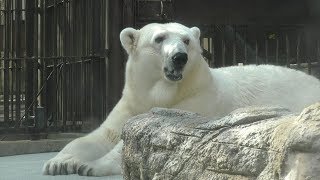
[166,69]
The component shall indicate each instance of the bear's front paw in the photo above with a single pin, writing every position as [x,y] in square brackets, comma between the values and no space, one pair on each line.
[62,164]
[100,168]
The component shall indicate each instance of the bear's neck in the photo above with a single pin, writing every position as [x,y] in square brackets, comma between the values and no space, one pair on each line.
[162,93]
[195,81]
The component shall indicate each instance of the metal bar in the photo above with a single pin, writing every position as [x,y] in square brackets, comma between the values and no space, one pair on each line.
[209,47]
[223,53]
[54,53]
[96,49]
[12,80]
[49,58]
[318,50]
[245,49]
[256,52]
[277,51]
[19,53]
[82,66]
[7,36]
[212,53]
[298,51]
[36,77]
[287,51]
[266,50]
[77,49]
[29,78]
[234,60]
[71,50]
[64,81]
[43,52]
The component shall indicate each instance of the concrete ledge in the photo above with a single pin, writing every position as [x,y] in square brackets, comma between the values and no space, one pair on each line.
[54,143]
[9,148]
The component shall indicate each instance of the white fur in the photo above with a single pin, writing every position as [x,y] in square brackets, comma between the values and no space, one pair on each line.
[210,92]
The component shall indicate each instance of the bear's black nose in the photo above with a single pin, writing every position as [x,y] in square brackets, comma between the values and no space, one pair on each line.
[179,59]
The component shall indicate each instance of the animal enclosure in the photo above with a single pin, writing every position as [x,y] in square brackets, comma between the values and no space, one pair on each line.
[62,66]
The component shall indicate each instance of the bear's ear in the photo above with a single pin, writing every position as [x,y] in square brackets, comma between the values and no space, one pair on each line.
[196,32]
[129,39]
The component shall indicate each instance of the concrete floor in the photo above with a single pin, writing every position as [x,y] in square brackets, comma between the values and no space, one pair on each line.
[28,166]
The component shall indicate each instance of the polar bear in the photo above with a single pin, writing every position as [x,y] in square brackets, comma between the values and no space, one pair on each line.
[165,68]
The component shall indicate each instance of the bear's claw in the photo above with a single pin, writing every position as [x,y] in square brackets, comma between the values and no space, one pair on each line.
[85,170]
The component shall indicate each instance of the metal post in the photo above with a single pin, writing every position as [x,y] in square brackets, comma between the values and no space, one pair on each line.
[277,50]
[266,50]
[6,61]
[30,7]
[257,52]
[245,49]
[43,61]
[298,51]
[287,51]
[19,53]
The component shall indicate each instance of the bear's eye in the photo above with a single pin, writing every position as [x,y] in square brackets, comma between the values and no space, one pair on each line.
[186,41]
[159,39]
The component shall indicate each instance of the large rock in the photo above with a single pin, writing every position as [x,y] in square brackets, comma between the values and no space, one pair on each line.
[250,143]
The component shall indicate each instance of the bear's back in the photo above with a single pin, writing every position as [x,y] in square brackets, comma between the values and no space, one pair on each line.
[267,85]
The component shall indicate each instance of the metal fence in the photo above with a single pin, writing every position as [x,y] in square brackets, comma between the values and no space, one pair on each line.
[285,45]
[52,65]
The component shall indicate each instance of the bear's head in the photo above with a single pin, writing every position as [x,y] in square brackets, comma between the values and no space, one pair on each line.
[168,49]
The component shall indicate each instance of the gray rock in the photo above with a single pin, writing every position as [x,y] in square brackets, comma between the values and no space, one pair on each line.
[250,143]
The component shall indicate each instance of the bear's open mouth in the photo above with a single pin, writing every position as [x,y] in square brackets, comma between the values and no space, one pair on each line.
[173,75]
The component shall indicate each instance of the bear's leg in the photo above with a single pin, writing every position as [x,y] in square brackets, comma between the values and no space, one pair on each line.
[110,164]
[89,148]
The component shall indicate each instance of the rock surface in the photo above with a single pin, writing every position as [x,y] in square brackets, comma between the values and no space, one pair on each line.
[251,143]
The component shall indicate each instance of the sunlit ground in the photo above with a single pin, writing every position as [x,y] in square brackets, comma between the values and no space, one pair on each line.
[25,167]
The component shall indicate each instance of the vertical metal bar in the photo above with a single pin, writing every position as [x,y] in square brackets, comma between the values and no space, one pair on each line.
[234,61]
[277,51]
[245,49]
[36,42]
[209,47]
[12,79]
[212,53]
[309,65]
[223,53]
[287,51]
[54,46]
[7,36]
[103,59]
[82,65]
[96,49]
[256,52]
[42,50]
[19,53]
[29,83]
[74,17]
[43,53]
[35,53]
[298,51]
[66,53]
[266,50]
[318,50]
